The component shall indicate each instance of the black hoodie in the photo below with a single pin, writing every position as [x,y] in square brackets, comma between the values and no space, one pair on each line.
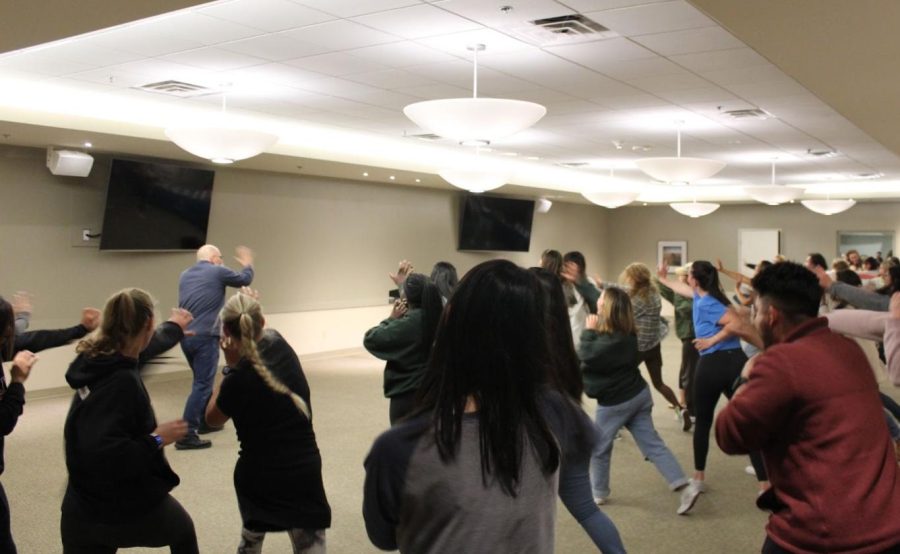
[116,471]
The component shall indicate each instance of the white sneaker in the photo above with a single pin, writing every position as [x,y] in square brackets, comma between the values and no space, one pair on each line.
[689,496]
[601,500]
[750,471]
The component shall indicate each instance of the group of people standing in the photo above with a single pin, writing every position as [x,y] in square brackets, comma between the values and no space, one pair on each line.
[118,492]
[470,449]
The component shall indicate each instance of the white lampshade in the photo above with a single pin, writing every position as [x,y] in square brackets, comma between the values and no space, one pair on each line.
[679,171]
[474,180]
[474,120]
[221,144]
[611,199]
[773,194]
[694,209]
[828,207]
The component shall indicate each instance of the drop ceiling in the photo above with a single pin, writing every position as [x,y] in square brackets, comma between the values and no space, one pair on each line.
[333,76]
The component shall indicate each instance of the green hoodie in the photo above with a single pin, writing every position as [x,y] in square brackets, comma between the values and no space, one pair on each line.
[684,311]
[609,364]
[396,341]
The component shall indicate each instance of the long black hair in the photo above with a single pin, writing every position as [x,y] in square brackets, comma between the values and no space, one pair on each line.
[421,293]
[491,346]
[565,369]
[707,278]
[444,277]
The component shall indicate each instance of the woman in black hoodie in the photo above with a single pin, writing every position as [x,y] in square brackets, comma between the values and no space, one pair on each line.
[119,479]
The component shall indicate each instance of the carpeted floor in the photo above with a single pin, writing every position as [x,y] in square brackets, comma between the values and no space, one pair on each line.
[349,413]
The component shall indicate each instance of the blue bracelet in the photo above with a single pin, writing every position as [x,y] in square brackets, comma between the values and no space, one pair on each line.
[158,440]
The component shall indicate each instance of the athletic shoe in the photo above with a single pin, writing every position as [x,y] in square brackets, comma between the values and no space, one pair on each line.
[601,501]
[689,496]
[192,442]
[686,421]
[750,471]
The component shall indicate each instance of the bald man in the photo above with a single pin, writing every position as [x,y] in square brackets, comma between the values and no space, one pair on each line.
[201,291]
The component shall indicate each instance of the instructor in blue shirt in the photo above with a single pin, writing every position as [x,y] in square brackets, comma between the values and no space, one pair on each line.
[201,291]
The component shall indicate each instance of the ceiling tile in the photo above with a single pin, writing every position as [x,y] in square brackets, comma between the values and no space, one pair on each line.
[108,76]
[270,73]
[267,15]
[274,47]
[401,54]
[667,83]
[457,44]
[335,63]
[705,94]
[435,91]
[758,92]
[394,101]
[489,13]
[334,86]
[635,69]
[652,18]
[633,101]
[351,8]
[142,40]
[747,75]
[213,59]
[689,41]
[88,54]
[390,79]
[737,58]
[156,69]
[419,21]
[585,6]
[43,63]
[598,53]
[341,35]
[196,27]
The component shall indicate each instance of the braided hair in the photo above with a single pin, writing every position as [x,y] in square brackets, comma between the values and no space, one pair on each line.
[242,318]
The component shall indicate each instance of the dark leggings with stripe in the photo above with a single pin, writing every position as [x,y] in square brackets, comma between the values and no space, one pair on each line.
[714,376]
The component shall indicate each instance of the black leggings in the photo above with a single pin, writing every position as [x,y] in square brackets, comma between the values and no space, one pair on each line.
[771,547]
[715,376]
[689,357]
[167,524]
[7,546]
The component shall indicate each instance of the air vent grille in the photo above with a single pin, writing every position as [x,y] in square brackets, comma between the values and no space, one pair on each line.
[572,164]
[822,153]
[750,113]
[563,29]
[177,88]
[425,136]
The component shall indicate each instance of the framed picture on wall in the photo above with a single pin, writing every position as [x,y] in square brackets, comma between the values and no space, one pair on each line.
[671,252]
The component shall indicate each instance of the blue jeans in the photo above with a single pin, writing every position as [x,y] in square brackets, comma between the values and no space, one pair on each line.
[202,353]
[634,415]
[575,492]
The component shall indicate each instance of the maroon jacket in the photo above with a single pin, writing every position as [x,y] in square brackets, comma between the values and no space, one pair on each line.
[811,406]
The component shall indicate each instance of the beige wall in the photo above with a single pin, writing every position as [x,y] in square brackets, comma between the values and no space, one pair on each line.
[324,247]
[635,231]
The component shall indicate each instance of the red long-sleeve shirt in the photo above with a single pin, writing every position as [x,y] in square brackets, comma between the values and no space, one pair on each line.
[811,407]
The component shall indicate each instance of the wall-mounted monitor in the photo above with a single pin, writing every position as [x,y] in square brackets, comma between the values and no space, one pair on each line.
[156,206]
[495,223]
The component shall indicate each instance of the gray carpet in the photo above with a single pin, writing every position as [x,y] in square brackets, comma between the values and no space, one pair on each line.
[349,413]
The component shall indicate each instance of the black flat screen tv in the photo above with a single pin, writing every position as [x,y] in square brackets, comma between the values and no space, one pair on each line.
[495,223]
[156,206]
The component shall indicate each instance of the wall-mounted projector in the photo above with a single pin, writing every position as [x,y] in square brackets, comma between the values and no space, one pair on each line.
[69,163]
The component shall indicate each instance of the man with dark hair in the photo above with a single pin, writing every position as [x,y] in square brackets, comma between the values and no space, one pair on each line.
[814,260]
[810,404]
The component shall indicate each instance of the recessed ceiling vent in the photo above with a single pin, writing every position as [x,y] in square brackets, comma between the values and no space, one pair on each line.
[822,152]
[562,29]
[177,88]
[425,136]
[572,165]
[750,113]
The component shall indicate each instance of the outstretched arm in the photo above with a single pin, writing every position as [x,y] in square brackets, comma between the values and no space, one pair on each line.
[677,287]
[739,277]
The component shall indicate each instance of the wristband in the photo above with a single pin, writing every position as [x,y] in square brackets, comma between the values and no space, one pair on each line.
[226,370]
[158,440]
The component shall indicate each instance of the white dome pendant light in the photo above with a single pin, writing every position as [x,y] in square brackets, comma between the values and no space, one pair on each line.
[773,194]
[678,170]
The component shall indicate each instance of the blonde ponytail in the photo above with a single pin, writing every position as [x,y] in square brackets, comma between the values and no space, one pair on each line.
[124,317]
[245,311]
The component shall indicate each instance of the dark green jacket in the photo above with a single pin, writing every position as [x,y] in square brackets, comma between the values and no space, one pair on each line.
[396,341]
[684,311]
[609,365]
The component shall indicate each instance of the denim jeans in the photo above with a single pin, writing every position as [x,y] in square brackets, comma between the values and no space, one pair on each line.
[202,353]
[575,493]
[634,415]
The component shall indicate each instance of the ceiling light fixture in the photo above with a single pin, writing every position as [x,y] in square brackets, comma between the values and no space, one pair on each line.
[475,175]
[678,170]
[221,144]
[828,206]
[611,199]
[694,209]
[475,121]
[773,194]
